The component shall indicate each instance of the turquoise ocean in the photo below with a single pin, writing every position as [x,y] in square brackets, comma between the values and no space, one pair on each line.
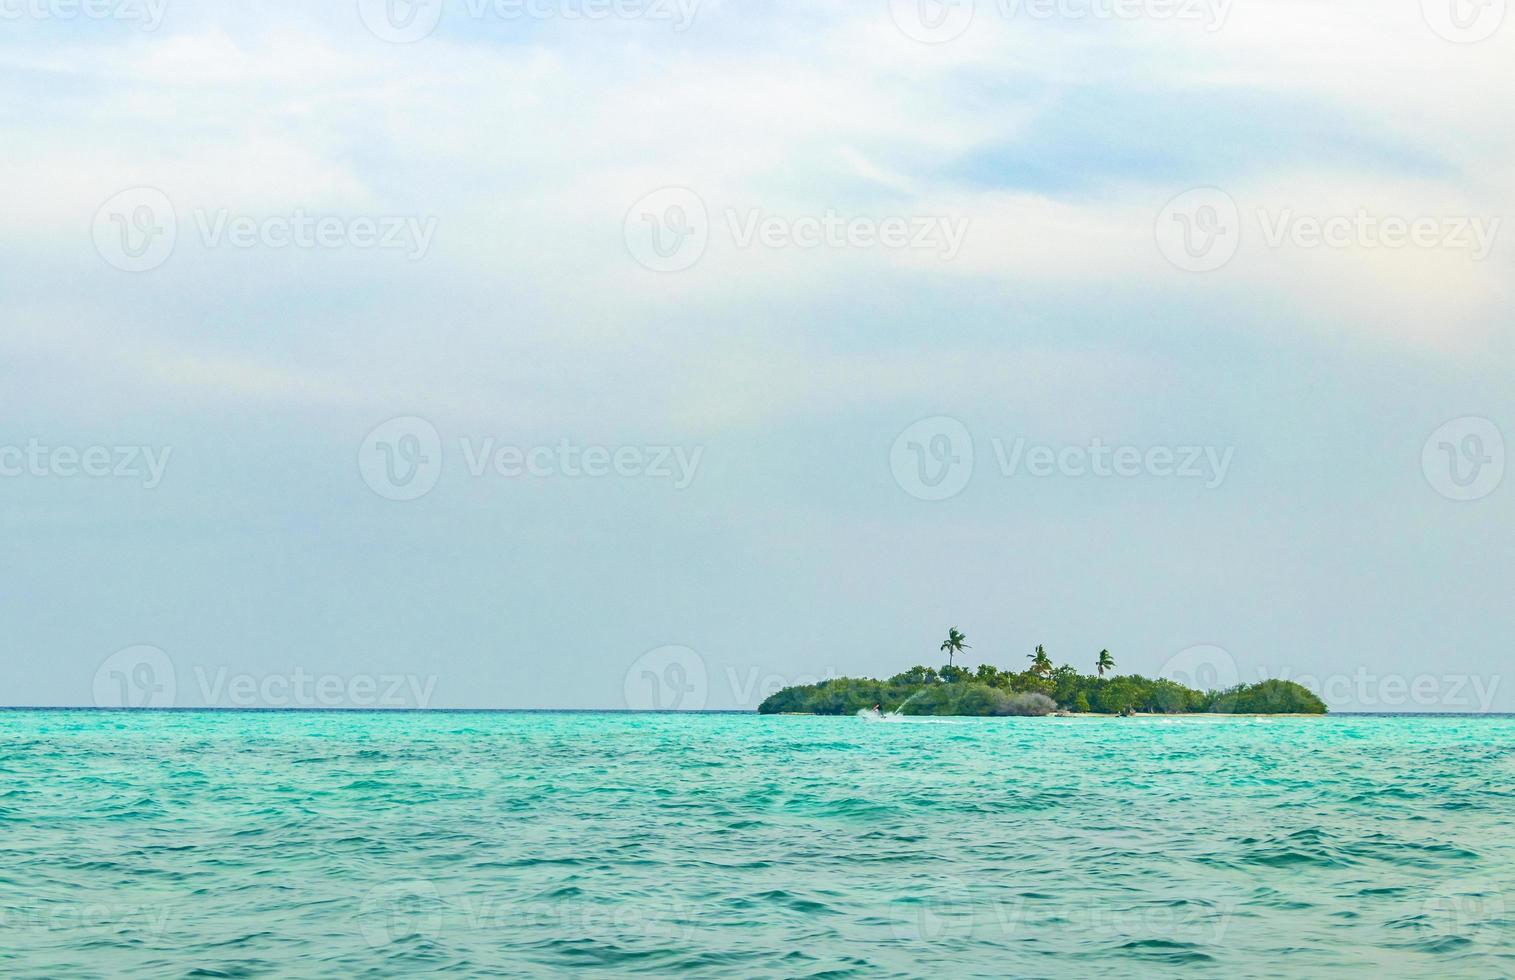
[241,844]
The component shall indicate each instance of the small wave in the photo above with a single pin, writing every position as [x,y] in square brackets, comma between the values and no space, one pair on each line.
[1166,951]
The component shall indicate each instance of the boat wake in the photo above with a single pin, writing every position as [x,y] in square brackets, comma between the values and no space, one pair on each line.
[876,714]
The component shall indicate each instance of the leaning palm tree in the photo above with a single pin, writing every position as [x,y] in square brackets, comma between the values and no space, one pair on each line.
[1104,663]
[954,644]
[1041,664]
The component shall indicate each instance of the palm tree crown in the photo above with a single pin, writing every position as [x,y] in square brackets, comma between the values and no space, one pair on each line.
[1040,662]
[954,644]
[1104,663]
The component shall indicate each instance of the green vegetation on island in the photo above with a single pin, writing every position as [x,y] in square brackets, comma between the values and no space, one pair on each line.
[1040,689]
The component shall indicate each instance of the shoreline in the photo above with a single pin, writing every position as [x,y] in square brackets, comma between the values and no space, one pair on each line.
[1095,715]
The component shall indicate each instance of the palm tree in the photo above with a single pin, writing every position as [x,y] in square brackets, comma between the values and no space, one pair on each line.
[1104,662]
[1040,663]
[954,644]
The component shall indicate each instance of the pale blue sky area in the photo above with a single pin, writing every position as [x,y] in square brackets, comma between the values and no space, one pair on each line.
[536,312]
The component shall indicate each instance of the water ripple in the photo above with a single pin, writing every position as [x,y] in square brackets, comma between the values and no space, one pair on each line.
[238,845]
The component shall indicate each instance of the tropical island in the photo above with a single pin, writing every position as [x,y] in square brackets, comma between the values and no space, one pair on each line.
[1040,689]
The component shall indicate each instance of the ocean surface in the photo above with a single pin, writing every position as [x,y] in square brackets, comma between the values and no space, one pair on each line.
[227,844]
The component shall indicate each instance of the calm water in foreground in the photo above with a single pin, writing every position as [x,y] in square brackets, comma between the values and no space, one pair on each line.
[243,844]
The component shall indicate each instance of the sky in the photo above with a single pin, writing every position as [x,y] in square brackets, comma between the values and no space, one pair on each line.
[661,353]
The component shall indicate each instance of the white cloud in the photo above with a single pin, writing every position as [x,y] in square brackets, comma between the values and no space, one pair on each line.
[529,153]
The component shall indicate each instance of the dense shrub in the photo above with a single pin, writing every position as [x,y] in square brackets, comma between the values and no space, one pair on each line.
[1265,697]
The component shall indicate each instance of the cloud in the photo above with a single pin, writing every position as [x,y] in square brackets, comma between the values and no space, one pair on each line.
[528,142]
